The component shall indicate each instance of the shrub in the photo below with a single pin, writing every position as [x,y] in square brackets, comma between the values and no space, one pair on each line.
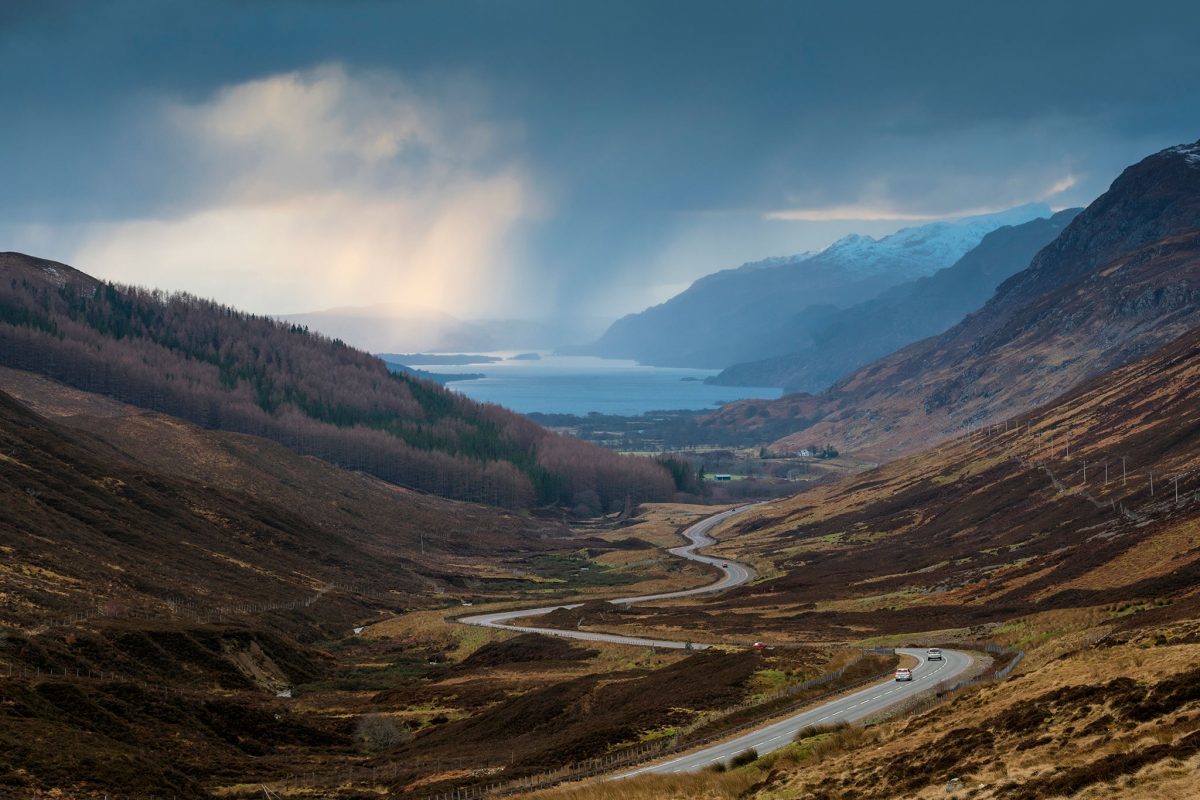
[379,732]
[747,756]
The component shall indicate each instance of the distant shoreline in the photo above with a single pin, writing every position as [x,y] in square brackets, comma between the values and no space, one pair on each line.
[424,359]
[436,377]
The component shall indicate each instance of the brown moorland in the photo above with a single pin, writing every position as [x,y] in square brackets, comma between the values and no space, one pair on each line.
[988,527]
[996,536]
[217,570]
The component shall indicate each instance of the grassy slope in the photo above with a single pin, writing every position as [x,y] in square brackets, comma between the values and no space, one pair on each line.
[1118,721]
[135,507]
[128,507]
[986,528]
[1100,585]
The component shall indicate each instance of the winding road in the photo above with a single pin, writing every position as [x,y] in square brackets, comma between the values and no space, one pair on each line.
[853,707]
[734,574]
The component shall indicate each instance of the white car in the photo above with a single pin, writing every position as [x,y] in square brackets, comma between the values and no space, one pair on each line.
[904,674]
[933,654]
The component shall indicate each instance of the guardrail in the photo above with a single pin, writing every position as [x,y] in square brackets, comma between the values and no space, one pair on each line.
[942,691]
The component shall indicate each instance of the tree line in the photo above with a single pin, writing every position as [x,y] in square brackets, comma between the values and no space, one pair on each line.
[225,369]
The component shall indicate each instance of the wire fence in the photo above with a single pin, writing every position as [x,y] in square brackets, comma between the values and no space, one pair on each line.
[22,673]
[1106,478]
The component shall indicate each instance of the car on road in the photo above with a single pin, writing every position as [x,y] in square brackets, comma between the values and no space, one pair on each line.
[760,645]
[933,654]
[725,565]
[904,674]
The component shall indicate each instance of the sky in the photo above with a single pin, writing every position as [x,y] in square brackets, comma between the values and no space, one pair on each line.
[551,160]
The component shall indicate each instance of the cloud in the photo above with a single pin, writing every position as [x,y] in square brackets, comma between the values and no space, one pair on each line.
[851,212]
[886,212]
[327,188]
[1061,185]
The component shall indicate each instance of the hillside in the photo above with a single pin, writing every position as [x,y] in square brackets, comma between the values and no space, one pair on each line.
[903,314]
[1004,521]
[179,605]
[223,369]
[1053,509]
[772,307]
[108,505]
[1068,532]
[1121,280]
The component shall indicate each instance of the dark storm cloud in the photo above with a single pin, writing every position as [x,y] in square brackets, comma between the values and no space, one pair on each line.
[659,135]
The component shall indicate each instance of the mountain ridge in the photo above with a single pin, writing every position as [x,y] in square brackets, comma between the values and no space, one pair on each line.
[760,311]
[902,314]
[1120,280]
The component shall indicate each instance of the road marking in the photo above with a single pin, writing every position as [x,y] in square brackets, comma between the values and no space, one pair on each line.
[735,574]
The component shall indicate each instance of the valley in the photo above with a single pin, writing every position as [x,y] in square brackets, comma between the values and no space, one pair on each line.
[599,401]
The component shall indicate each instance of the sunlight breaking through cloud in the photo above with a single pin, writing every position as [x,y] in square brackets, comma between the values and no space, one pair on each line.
[326,188]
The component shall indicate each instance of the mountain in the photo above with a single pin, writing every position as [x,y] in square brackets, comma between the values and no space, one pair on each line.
[772,307]
[217,367]
[903,314]
[1121,280]
[167,587]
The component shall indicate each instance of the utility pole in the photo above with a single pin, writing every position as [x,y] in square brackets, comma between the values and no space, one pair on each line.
[1152,483]
[1122,470]
[1106,473]
[1085,470]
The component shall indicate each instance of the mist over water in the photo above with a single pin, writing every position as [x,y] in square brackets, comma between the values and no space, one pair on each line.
[583,384]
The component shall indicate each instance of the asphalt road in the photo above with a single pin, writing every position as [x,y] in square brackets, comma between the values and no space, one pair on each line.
[697,535]
[851,708]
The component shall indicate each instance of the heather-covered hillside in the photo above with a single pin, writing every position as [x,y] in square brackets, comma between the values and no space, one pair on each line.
[1121,280]
[221,368]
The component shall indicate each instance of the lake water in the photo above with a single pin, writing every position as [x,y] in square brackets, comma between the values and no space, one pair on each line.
[581,384]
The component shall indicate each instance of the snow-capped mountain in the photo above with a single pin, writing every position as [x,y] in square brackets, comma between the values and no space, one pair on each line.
[923,249]
[768,307]
[1190,153]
